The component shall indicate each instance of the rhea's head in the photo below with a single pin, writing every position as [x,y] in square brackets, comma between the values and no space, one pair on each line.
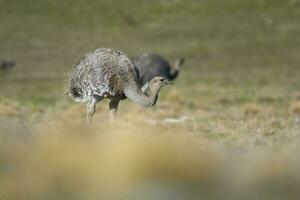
[158,82]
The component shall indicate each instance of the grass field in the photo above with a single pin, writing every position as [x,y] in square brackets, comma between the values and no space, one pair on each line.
[238,93]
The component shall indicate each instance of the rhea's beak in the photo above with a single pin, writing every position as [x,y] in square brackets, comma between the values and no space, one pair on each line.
[167,82]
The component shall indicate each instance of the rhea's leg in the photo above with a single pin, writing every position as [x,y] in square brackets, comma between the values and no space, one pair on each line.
[90,108]
[113,108]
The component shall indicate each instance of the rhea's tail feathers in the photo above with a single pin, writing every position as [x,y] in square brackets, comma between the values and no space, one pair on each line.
[75,93]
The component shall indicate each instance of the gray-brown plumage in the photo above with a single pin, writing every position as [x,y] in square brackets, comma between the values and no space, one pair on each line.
[150,65]
[108,73]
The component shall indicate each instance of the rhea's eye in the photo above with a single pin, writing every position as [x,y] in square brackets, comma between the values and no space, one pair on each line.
[162,79]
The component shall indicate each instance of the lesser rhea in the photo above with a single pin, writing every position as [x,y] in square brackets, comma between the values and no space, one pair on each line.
[150,65]
[108,73]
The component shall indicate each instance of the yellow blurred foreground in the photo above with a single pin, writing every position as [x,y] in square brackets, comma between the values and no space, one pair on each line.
[64,162]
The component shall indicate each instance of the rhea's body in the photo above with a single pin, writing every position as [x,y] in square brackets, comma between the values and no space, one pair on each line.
[102,73]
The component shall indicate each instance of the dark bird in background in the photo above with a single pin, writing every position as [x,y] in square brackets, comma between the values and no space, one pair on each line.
[150,65]
[108,73]
[6,65]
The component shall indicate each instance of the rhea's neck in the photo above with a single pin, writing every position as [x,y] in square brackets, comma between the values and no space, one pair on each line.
[141,98]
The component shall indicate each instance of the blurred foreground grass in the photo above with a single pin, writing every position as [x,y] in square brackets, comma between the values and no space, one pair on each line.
[141,162]
[236,103]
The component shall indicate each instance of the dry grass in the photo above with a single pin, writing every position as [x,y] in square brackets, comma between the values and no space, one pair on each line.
[9,109]
[252,109]
[295,107]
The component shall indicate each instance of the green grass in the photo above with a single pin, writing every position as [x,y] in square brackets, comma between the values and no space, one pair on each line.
[239,86]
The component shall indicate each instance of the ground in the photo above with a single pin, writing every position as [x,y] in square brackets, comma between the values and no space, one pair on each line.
[238,92]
